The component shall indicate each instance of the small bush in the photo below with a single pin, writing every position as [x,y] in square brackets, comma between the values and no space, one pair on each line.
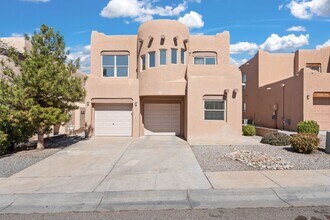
[308,127]
[276,139]
[249,130]
[305,143]
[3,142]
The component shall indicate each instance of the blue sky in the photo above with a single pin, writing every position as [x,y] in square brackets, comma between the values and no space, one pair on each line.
[271,25]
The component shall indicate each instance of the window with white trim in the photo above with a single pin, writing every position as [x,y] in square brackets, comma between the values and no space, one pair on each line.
[215,109]
[205,60]
[162,57]
[314,66]
[143,62]
[174,56]
[152,59]
[115,66]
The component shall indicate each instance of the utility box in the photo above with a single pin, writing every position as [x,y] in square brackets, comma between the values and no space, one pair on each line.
[327,143]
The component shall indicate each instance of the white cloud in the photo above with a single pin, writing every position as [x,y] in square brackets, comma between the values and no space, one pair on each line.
[296,29]
[323,45]
[277,43]
[140,10]
[192,20]
[306,9]
[241,47]
[17,35]
[36,1]
[82,52]
[237,62]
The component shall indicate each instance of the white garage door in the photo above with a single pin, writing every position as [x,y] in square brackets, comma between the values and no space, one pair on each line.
[162,119]
[113,120]
[321,112]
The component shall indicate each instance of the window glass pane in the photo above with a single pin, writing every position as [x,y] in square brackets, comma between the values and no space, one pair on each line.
[214,115]
[143,62]
[182,55]
[108,60]
[174,56]
[108,72]
[199,60]
[152,60]
[215,105]
[162,56]
[209,60]
[122,60]
[122,71]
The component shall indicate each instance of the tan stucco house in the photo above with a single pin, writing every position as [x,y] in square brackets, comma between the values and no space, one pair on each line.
[163,81]
[280,90]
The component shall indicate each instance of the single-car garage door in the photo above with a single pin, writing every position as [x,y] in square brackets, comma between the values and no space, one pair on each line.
[162,119]
[113,120]
[321,112]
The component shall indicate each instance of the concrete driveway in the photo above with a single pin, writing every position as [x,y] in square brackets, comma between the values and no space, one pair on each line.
[112,164]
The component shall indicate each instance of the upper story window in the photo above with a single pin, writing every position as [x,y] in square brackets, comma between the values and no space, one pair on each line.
[314,66]
[115,65]
[183,54]
[162,57]
[152,59]
[244,78]
[143,62]
[205,60]
[174,56]
[214,109]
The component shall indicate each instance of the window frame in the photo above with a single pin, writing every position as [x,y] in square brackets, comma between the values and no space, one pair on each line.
[182,55]
[160,57]
[176,52]
[115,66]
[141,62]
[311,65]
[154,52]
[216,110]
[204,60]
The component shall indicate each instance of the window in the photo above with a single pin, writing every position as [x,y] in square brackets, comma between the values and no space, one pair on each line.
[244,107]
[183,53]
[115,65]
[244,78]
[205,60]
[214,109]
[162,57]
[143,62]
[314,66]
[152,59]
[174,56]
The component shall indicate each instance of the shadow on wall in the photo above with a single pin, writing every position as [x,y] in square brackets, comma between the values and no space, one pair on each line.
[328,71]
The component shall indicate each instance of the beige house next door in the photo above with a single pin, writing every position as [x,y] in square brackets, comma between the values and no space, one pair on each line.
[113,120]
[162,119]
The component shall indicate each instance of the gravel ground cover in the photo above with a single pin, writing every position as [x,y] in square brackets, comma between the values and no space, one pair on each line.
[212,158]
[27,155]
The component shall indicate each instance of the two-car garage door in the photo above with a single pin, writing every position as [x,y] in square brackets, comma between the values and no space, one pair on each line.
[113,120]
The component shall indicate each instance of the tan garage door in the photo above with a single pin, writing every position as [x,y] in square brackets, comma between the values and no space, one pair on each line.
[321,112]
[162,119]
[113,120]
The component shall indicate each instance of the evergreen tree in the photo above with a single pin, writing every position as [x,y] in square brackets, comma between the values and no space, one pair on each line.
[47,88]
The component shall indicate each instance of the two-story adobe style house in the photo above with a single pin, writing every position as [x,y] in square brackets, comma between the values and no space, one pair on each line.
[283,89]
[163,81]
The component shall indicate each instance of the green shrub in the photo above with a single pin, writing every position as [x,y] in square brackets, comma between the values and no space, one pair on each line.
[305,143]
[276,139]
[308,127]
[3,142]
[249,130]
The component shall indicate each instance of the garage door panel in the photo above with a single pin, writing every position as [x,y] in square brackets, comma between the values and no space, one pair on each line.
[321,112]
[162,119]
[113,120]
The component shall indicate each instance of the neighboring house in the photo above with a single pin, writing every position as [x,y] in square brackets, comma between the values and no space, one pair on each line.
[284,89]
[164,81]
[77,121]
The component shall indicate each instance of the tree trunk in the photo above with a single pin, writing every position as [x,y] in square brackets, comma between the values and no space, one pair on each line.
[40,144]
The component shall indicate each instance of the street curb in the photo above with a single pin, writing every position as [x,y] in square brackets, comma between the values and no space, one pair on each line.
[164,200]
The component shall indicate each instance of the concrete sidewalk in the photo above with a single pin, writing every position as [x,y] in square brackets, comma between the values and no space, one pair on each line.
[165,200]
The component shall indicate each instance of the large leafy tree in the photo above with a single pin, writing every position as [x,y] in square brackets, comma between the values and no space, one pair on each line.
[47,88]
